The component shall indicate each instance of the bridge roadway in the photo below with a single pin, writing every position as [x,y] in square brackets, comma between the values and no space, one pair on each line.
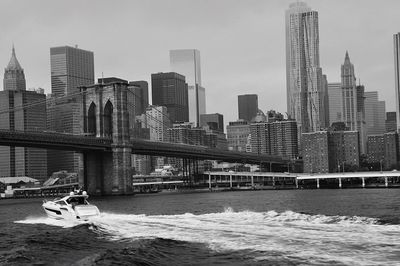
[83,143]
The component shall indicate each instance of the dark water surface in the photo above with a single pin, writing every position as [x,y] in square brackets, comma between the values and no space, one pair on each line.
[291,227]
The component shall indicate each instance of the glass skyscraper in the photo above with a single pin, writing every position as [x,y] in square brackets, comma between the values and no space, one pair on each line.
[70,68]
[303,72]
[170,90]
[247,106]
[187,62]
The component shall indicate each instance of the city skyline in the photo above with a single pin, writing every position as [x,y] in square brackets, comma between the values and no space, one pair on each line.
[243,48]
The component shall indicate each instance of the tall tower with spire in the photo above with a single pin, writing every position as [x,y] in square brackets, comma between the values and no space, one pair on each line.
[22,115]
[14,77]
[349,94]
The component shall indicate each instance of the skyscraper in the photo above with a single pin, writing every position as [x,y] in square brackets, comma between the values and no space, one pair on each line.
[361,125]
[247,106]
[14,76]
[187,62]
[375,114]
[213,121]
[26,112]
[335,102]
[390,123]
[70,68]
[396,44]
[141,91]
[170,90]
[349,94]
[303,72]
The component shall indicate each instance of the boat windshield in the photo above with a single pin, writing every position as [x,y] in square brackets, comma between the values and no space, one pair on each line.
[77,201]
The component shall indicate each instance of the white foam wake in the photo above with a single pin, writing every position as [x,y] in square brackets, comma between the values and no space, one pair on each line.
[315,238]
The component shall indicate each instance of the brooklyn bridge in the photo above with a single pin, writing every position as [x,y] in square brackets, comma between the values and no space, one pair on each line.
[106,142]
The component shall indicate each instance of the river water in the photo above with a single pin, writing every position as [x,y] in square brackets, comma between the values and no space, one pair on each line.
[285,227]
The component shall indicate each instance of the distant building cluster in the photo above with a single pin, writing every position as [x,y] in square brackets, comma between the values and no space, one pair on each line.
[331,125]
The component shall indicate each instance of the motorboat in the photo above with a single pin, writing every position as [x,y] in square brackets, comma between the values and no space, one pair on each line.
[72,207]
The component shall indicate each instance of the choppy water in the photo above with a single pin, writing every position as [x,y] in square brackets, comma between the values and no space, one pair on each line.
[311,227]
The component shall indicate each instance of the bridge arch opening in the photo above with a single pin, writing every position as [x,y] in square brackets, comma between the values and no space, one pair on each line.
[92,129]
[108,120]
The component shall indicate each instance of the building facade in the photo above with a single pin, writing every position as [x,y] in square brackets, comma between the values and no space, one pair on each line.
[375,114]
[277,138]
[64,115]
[396,45]
[14,76]
[303,72]
[70,68]
[330,151]
[384,149]
[187,62]
[237,134]
[26,112]
[247,106]
[390,123]
[170,90]
[158,121]
[213,121]
[349,94]
[335,102]
[140,89]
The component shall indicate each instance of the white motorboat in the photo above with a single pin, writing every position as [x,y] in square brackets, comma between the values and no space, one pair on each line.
[72,207]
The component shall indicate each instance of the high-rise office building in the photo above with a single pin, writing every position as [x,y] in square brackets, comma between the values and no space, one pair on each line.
[335,102]
[70,68]
[247,106]
[187,62]
[64,116]
[390,123]
[26,112]
[170,90]
[396,44]
[361,124]
[141,92]
[324,103]
[23,161]
[213,121]
[375,114]
[303,72]
[349,94]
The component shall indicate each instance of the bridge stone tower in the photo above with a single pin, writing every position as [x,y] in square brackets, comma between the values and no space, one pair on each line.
[107,112]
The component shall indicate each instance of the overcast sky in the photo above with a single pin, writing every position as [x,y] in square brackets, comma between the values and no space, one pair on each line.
[241,42]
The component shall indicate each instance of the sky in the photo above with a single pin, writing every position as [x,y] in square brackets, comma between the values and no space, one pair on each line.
[241,42]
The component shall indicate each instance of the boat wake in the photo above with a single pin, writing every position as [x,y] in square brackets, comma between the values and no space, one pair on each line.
[295,236]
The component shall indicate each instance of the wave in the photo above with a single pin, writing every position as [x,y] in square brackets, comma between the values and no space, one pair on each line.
[316,238]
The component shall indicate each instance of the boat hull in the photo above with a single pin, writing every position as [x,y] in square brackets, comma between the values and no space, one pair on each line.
[68,213]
